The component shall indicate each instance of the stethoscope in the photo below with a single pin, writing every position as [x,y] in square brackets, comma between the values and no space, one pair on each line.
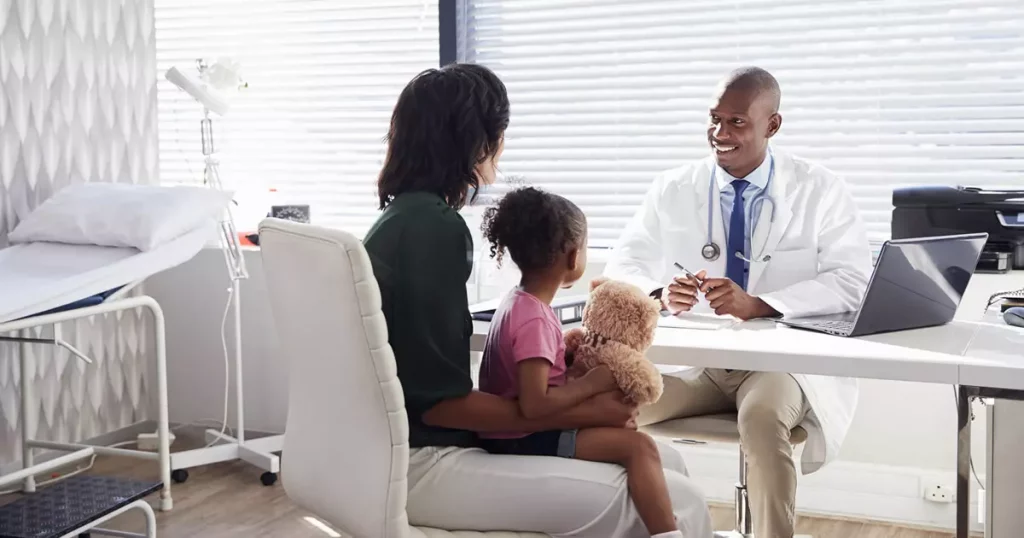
[711,251]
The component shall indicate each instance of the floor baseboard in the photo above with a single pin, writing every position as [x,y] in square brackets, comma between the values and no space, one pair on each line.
[842,489]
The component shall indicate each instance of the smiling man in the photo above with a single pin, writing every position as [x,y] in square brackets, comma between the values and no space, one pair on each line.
[758,233]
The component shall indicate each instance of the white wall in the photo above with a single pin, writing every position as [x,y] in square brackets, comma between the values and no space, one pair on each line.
[193,297]
[77,103]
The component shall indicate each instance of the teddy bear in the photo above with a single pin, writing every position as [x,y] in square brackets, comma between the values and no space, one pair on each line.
[619,321]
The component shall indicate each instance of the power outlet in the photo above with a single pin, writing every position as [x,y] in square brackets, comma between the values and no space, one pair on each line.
[150,441]
[939,493]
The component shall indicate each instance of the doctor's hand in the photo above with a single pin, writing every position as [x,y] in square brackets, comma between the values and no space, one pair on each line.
[728,298]
[681,294]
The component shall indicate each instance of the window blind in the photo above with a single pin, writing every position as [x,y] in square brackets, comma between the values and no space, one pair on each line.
[323,77]
[605,93]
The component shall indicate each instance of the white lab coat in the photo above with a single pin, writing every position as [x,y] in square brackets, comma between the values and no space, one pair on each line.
[820,263]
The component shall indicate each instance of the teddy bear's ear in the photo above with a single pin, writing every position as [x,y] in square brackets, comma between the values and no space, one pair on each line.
[597,282]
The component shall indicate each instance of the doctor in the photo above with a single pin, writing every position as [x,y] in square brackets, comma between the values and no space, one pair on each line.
[768,234]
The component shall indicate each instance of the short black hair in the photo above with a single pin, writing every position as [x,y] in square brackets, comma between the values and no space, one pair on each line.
[446,121]
[534,226]
[757,80]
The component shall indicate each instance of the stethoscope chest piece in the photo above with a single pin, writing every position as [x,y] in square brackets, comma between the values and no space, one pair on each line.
[710,251]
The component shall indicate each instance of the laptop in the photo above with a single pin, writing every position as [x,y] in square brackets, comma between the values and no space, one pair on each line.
[916,283]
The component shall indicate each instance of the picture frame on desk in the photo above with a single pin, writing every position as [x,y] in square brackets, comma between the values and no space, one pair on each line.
[292,212]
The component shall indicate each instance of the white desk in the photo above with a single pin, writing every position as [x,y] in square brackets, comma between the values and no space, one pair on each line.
[983,359]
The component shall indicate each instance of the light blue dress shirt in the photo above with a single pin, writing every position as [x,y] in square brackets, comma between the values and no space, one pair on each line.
[758,180]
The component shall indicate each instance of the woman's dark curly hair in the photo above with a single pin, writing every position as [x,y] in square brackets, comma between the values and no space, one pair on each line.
[446,122]
[535,227]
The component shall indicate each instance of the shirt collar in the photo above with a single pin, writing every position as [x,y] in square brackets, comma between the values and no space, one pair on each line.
[758,178]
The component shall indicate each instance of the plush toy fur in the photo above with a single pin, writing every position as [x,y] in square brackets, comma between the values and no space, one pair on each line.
[619,321]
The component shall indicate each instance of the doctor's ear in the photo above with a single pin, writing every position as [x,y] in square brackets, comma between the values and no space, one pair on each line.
[774,124]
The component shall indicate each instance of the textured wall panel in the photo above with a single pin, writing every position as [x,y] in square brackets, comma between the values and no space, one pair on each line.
[77,103]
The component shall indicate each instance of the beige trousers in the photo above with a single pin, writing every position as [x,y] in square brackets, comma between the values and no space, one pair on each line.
[768,405]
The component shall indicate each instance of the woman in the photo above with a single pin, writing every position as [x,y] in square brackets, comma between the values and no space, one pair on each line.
[446,136]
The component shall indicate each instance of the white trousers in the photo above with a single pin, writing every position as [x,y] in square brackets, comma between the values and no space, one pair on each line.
[469,489]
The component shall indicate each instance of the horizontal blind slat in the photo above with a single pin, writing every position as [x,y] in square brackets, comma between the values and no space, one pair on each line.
[605,95]
[323,78]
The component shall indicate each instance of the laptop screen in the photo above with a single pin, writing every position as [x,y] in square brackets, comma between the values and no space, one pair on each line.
[919,282]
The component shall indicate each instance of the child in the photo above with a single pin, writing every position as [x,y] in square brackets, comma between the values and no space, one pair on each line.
[524,357]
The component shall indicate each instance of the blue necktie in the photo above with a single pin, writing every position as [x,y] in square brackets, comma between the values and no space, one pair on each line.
[735,268]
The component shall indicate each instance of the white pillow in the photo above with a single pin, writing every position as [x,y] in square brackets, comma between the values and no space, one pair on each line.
[120,215]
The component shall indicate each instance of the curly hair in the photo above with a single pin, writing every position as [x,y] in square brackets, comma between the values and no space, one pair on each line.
[534,226]
[445,123]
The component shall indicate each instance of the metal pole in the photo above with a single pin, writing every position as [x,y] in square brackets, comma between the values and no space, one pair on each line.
[163,413]
[28,418]
[743,523]
[239,401]
[963,462]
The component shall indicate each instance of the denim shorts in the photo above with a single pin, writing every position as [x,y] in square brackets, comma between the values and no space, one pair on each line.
[561,443]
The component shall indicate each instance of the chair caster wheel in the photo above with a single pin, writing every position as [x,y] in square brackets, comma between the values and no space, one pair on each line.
[179,476]
[268,479]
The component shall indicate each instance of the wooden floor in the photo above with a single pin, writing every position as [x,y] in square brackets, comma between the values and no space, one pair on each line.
[227,500]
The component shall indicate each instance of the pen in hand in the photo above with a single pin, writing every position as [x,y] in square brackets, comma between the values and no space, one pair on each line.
[686,289]
[688,273]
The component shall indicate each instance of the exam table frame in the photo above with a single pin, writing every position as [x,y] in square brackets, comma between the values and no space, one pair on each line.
[117,302]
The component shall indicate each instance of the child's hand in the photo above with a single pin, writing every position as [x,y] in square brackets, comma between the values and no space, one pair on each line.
[600,379]
[575,372]
[612,410]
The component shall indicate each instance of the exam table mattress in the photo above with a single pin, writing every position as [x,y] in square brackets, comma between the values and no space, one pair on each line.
[39,277]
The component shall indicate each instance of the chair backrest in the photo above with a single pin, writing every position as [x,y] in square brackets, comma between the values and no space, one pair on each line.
[346,450]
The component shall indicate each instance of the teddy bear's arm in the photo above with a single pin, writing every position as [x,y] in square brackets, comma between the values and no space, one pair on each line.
[636,376]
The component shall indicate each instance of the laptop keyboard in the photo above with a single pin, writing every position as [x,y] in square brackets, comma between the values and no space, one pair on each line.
[832,327]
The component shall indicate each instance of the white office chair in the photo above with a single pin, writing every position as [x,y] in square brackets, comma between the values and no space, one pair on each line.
[346,444]
[721,428]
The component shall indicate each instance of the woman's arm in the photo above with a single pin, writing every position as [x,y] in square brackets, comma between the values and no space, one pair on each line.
[538,400]
[483,412]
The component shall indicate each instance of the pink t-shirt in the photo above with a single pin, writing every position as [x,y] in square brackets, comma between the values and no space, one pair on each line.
[523,327]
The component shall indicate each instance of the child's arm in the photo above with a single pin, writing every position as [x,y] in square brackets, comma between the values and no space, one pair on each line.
[538,400]
[483,412]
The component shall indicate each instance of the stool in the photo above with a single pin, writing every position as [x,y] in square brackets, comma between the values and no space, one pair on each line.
[720,428]
[76,506]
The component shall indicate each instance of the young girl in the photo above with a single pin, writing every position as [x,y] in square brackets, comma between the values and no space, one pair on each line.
[524,357]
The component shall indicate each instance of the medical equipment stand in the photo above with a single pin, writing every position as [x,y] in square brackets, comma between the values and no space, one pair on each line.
[258,452]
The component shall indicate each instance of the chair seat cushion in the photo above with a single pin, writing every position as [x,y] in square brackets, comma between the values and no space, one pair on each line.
[436,533]
[720,428]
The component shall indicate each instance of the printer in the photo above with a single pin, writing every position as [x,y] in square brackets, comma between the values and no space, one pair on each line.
[927,211]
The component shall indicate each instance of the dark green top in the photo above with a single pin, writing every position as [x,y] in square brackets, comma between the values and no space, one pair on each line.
[422,255]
